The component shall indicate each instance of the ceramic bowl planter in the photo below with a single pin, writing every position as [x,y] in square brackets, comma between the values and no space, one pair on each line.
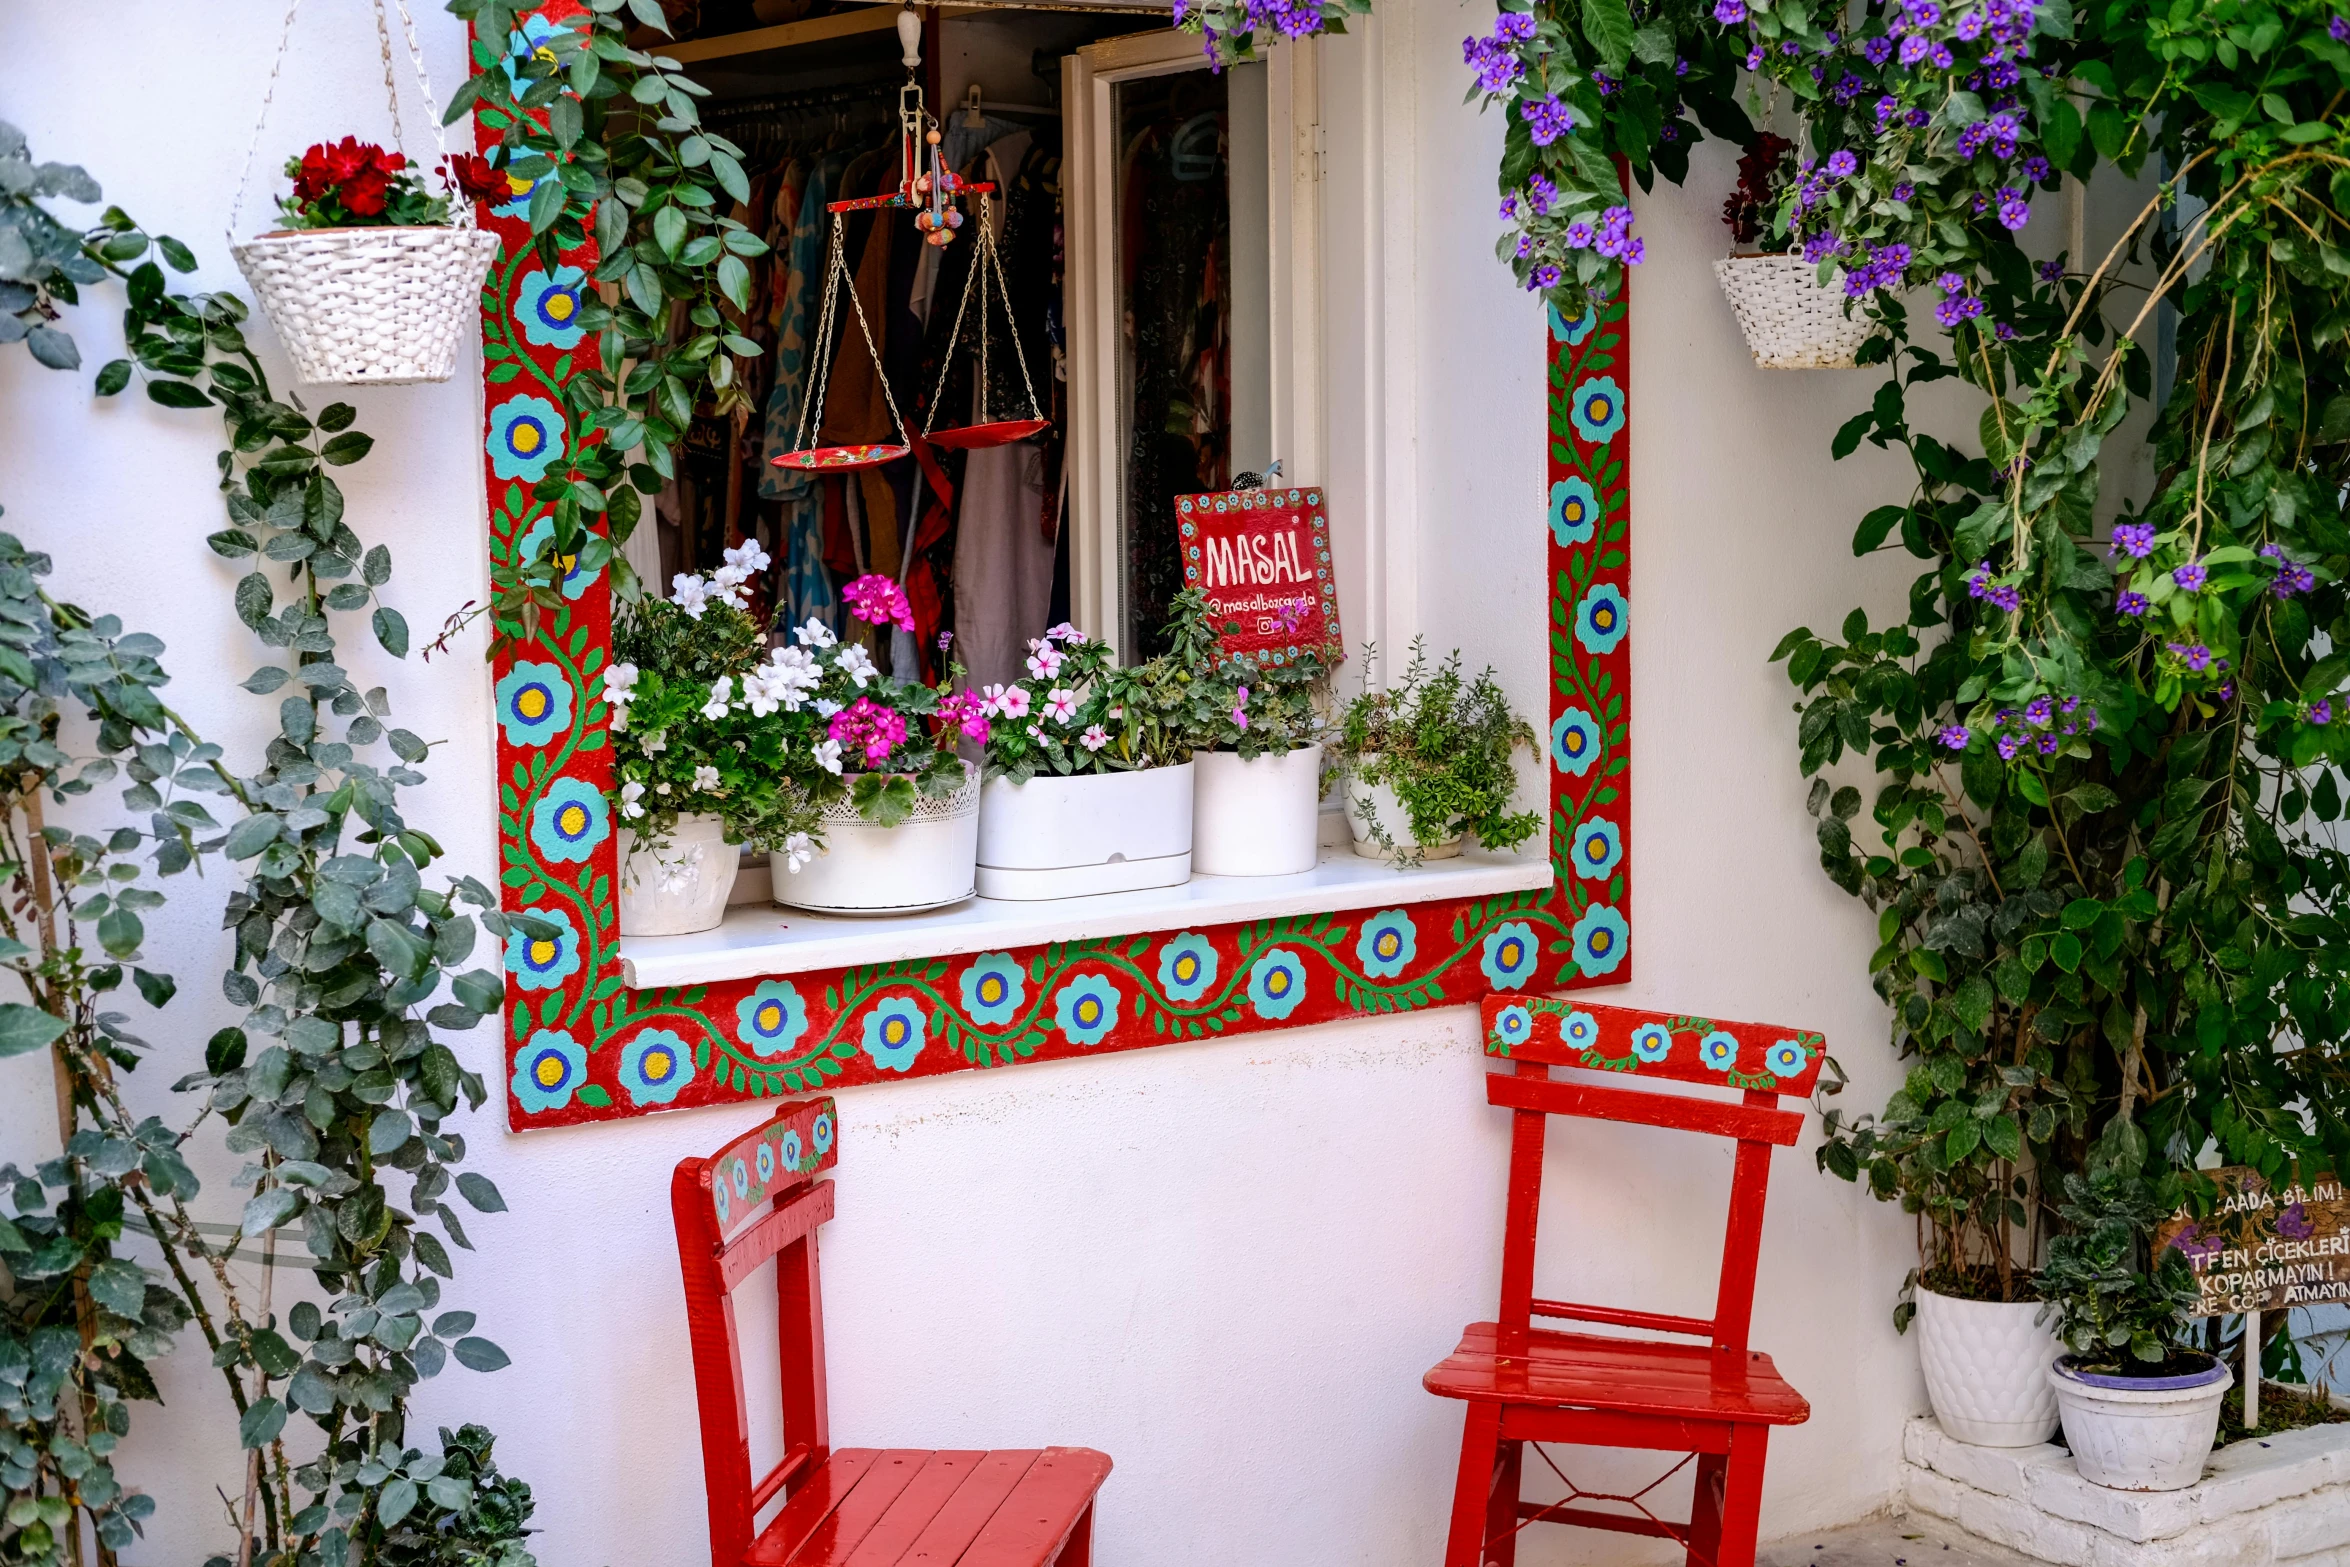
[2140,1433]
[1986,1365]
[1097,832]
[924,862]
[1790,321]
[1369,803]
[1258,817]
[680,885]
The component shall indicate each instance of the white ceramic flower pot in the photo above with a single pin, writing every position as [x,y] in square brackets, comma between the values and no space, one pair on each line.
[1366,803]
[1986,1364]
[1070,837]
[924,862]
[1259,817]
[680,885]
[2140,1433]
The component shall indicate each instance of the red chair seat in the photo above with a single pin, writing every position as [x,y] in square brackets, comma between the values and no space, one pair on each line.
[1632,1376]
[876,1507]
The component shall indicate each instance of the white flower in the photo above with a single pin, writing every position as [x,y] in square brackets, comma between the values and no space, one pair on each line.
[1094,738]
[706,778]
[828,755]
[690,593]
[785,680]
[656,742]
[660,788]
[726,586]
[620,684]
[619,720]
[798,850]
[1059,705]
[1045,662]
[721,694]
[857,664]
[1009,701]
[630,793]
[748,558]
[815,634]
[826,707]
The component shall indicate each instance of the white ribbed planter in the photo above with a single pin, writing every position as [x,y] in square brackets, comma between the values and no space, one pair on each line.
[1071,837]
[1986,1365]
[371,306]
[924,862]
[680,885]
[1790,321]
[1366,803]
[2140,1433]
[1259,817]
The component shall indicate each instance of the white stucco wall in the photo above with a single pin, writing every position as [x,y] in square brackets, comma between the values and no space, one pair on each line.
[1226,1264]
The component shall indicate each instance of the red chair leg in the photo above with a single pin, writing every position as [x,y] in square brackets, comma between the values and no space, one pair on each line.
[1501,1505]
[1077,1550]
[1742,1496]
[1705,1511]
[1473,1487]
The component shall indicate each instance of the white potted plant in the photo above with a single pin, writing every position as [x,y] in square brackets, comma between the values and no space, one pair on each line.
[1986,1359]
[1428,759]
[892,823]
[1257,762]
[1791,320]
[1089,771]
[2140,1407]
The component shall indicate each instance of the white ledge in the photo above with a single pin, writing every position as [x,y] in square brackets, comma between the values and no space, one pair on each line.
[759,939]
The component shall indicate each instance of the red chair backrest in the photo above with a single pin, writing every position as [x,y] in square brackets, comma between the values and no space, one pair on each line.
[756,1198]
[1536,1033]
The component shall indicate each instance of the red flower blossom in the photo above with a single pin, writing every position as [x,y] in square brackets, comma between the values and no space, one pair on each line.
[351,171]
[472,175]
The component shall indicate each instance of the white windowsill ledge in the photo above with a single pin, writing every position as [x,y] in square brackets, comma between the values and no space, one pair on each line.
[759,939]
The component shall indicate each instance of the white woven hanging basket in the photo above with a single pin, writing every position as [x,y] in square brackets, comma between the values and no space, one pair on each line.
[380,306]
[1790,321]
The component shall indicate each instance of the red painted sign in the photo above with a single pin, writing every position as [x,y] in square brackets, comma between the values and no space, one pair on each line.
[1263,557]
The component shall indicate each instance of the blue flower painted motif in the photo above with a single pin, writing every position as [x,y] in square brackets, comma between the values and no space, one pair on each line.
[1599,849]
[1574,512]
[771,1019]
[543,962]
[548,1070]
[1512,1026]
[1600,620]
[1787,1058]
[893,1034]
[1602,939]
[1572,333]
[722,1200]
[738,1175]
[1580,1030]
[792,1152]
[820,1133]
[765,1159]
[1652,1042]
[576,578]
[518,189]
[546,305]
[1510,955]
[993,988]
[1276,984]
[1387,944]
[534,703]
[569,820]
[1086,1009]
[526,436]
[1719,1051]
[1598,409]
[654,1066]
[532,38]
[1575,742]
[1187,967]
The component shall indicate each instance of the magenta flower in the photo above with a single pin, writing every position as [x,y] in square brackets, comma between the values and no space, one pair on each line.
[867,726]
[878,601]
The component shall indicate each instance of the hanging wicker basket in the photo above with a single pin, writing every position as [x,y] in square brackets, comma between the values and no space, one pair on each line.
[1790,321]
[380,306]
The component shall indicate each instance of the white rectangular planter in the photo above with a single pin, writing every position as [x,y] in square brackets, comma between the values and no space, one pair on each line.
[1259,817]
[1071,837]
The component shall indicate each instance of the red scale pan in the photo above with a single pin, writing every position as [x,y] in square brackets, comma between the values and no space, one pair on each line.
[984,431]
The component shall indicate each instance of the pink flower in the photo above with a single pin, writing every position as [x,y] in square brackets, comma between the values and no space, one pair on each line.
[878,601]
[1046,661]
[1064,632]
[865,723]
[1240,709]
[1060,705]
[1008,701]
[1094,738]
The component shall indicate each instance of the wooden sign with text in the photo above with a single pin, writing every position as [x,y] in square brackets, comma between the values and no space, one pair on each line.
[2266,1251]
[1263,558]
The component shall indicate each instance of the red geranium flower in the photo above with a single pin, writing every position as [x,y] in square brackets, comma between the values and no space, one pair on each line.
[472,174]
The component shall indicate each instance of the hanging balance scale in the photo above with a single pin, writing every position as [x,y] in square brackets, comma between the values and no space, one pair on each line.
[930,188]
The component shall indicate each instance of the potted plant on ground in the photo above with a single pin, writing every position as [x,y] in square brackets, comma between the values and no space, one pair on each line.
[1428,760]
[1257,789]
[2140,1407]
[1089,770]
[1793,320]
[887,816]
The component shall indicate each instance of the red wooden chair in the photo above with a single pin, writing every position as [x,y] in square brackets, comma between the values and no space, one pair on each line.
[1714,1402]
[865,1506]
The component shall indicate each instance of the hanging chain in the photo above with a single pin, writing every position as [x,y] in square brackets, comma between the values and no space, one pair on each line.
[879,373]
[995,259]
[987,259]
[835,265]
[946,361]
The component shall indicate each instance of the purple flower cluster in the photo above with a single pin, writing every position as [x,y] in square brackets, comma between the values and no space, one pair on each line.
[2014,210]
[2191,575]
[1494,59]
[2321,712]
[2051,271]
[1955,736]
[1843,163]
[1958,300]
[1541,194]
[2134,539]
[1885,267]
[2129,603]
[2038,726]
[2194,655]
[2292,577]
[1729,12]
[2338,29]
[1903,190]
[1997,595]
[1612,238]
[1547,119]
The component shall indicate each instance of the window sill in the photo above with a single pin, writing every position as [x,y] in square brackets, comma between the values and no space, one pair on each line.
[760,939]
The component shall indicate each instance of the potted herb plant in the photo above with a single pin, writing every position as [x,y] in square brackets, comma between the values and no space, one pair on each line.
[894,823]
[1792,319]
[1089,766]
[1257,762]
[1428,760]
[2140,1407]
[374,276]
